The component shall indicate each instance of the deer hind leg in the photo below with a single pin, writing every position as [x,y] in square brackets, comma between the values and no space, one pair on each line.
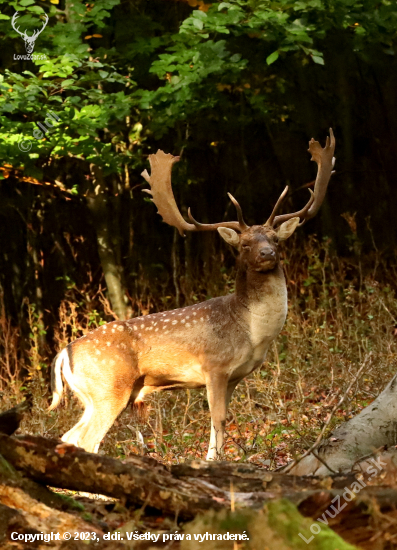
[105,410]
[73,435]
[104,390]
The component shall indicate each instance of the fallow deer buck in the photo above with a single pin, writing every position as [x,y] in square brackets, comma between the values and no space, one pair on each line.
[214,344]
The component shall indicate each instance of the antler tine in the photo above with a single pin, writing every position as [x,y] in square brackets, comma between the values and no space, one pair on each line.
[238,226]
[325,161]
[270,221]
[212,226]
[163,197]
[243,225]
[300,214]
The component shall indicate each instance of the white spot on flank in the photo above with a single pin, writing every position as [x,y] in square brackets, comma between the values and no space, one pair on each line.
[166,320]
[194,321]
[150,328]
[142,325]
[164,327]
[113,330]
[174,322]
[194,313]
[139,334]
[173,313]
[183,320]
[96,341]
[154,324]
[97,352]
[135,327]
[156,329]
[188,324]
[108,343]
[120,328]
[187,317]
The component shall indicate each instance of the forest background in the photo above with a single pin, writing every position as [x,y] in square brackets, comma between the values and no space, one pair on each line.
[239,88]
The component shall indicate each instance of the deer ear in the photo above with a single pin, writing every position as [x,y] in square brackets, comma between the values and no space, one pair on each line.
[229,235]
[287,228]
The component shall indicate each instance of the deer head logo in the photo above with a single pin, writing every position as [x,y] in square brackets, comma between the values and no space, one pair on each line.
[29,40]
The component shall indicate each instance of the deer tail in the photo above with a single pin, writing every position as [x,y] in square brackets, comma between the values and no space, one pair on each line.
[60,362]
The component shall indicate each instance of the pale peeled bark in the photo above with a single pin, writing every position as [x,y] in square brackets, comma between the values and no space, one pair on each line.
[375,427]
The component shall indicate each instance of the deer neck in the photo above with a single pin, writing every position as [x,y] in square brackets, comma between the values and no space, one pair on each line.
[262,299]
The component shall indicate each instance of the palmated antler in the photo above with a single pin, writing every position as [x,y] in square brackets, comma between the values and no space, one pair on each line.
[325,160]
[163,197]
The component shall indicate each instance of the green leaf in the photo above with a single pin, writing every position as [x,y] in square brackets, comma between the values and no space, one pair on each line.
[68,82]
[198,24]
[236,57]
[2,16]
[36,9]
[26,2]
[317,59]
[272,58]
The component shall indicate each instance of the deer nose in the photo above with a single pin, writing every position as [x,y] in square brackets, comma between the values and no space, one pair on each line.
[267,254]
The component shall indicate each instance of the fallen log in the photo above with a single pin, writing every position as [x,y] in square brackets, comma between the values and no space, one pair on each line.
[184,491]
[140,480]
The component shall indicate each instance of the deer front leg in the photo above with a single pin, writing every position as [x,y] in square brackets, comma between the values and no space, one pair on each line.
[218,398]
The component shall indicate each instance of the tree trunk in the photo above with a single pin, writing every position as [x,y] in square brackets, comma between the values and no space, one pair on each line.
[97,203]
[373,429]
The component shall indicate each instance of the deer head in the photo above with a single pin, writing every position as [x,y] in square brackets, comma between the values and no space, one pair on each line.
[257,244]
[29,40]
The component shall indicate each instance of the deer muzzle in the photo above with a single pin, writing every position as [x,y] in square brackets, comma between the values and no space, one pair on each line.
[266,259]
